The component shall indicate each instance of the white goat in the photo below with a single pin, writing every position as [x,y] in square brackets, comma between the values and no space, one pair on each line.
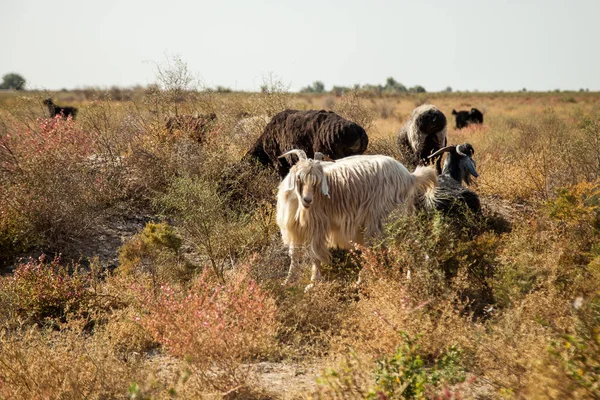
[334,204]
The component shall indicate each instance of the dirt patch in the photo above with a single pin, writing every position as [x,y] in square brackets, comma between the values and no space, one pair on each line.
[101,242]
[287,380]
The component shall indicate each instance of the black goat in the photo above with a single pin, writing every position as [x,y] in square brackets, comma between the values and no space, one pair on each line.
[55,110]
[450,196]
[466,118]
[311,131]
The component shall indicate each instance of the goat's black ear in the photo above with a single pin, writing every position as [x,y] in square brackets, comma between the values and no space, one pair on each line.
[454,112]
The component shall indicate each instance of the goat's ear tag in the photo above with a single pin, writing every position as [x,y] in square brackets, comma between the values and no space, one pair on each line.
[324,187]
[291,181]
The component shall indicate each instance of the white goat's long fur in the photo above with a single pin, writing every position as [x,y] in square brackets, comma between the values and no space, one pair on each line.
[350,200]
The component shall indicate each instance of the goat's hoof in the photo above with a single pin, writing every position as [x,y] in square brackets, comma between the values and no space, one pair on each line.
[309,287]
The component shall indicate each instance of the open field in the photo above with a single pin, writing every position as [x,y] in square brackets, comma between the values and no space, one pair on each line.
[168,283]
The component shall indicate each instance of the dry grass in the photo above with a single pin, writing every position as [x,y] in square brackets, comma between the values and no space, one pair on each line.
[196,298]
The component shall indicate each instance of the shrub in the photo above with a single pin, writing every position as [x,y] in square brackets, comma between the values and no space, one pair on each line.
[215,326]
[39,365]
[155,250]
[406,374]
[50,182]
[308,322]
[352,107]
[39,290]
[578,353]
[214,229]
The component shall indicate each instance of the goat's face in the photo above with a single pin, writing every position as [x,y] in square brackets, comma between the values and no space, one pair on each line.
[466,163]
[306,178]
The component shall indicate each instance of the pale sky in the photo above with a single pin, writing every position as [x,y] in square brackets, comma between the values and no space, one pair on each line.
[480,45]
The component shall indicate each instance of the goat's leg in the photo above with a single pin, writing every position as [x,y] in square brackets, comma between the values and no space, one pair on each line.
[293,253]
[315,275]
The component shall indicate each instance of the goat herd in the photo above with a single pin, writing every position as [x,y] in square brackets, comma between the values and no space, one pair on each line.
[323,204]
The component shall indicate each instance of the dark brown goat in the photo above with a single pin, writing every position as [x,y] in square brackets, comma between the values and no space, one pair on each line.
[55,110]
[195,126]
[422,135]
[311,131]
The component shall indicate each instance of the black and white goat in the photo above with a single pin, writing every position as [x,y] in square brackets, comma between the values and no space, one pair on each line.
[450,196]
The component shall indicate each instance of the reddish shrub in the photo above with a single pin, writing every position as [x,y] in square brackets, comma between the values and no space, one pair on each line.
[235,320]
[40,290]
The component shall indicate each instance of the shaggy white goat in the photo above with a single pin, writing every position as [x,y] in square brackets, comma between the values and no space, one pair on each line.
[334,204]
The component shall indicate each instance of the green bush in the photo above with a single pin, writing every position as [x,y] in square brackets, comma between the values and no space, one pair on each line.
[155,250]
[217,232]
[578,353]
[406,375]
[409,373]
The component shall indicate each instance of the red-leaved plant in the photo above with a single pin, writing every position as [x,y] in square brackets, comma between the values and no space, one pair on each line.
[48,179]
[39,290]
[215,326]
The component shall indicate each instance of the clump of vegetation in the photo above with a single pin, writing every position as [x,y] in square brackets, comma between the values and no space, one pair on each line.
[406,374]
[578,353]
[156,251]
[40,290]
[214,326]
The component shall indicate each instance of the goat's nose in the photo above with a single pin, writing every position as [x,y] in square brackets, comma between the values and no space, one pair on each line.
[307,200]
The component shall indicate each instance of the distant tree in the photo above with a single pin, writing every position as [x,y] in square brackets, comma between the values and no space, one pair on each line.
[13,81]
[393,86]
[339,90]
[223,89]
[448,89]
[372,89]
[417,89]
[319,87]
[524,90]
[316,87]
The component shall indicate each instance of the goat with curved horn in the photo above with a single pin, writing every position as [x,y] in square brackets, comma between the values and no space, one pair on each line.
[459,167]
[442,150]
[324,204]
[301,154]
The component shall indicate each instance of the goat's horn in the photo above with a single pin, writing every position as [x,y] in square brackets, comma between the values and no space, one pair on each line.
[323,157]
[299,153]
[442,150]
[465,149]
